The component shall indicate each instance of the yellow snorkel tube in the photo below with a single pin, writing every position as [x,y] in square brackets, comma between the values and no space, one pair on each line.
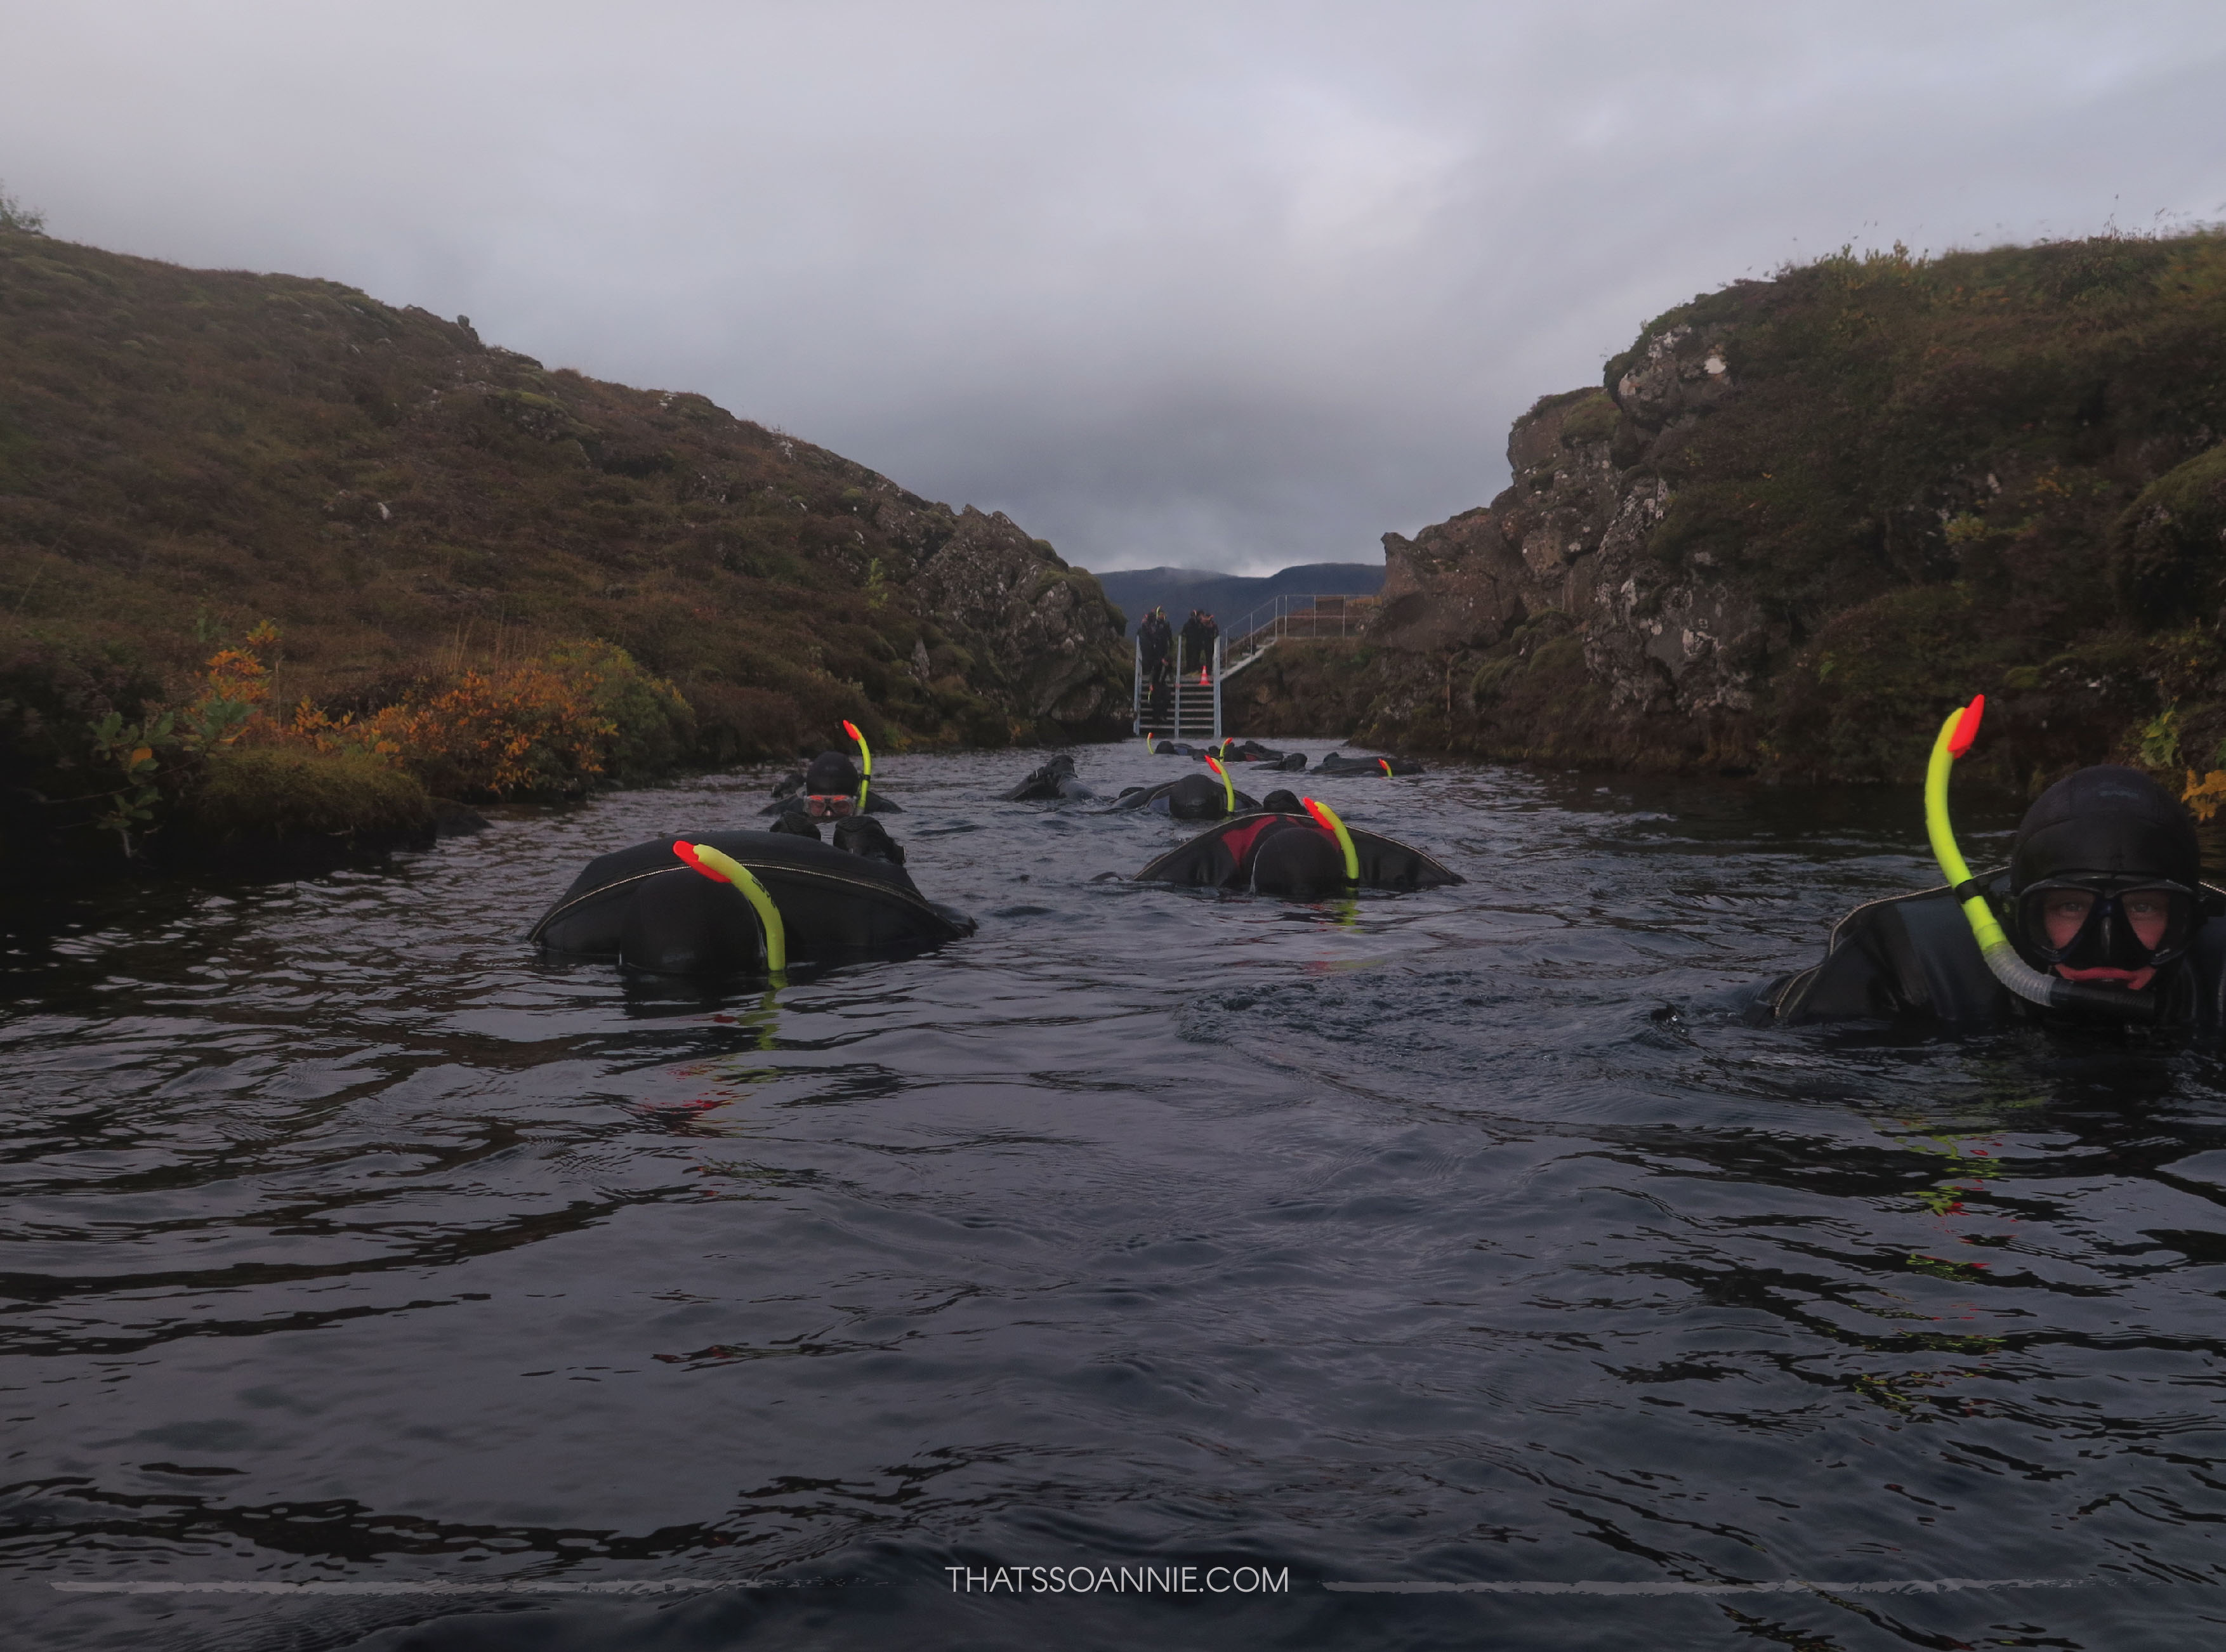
[1228,789]
[1326,817]
[715,865]
[866,758]
[2051,992]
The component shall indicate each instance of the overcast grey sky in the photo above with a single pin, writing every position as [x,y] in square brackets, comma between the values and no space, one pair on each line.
[1229,285]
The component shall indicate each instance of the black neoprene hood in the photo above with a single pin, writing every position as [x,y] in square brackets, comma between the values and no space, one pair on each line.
[1301,863]
[2106,822]
[831,774]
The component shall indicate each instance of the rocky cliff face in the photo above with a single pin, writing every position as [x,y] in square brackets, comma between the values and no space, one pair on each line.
[1802,518]
[1046,639]
[1673,656]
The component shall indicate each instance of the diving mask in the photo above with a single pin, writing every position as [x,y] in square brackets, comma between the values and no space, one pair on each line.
[2076,921]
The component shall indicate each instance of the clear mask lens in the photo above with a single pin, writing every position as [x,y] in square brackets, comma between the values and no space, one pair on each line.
[2086,928]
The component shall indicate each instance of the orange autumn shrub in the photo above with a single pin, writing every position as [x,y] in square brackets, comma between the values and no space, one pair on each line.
[549,727]
[527,729]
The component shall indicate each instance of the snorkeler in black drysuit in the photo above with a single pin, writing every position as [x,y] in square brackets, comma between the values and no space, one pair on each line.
[1339,763]
[1251,750]
[2104,890]
[1229,751]
[1282,852]
[828,790]
[664,907]
[1054,782]
[1193,796]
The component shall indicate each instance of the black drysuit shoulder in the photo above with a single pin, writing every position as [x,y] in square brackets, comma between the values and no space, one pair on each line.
[1887,959]
[1220,858]
[642,907]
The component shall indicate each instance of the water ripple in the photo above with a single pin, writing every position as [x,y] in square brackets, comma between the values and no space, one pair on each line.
[1458,1239]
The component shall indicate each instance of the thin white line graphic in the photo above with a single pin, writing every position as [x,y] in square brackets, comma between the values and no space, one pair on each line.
[1788,1585]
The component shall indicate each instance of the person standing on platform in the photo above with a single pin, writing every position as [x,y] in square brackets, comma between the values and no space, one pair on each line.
[1156,641]
[1197,651]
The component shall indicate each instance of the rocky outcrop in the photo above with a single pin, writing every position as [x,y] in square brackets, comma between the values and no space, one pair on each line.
[1802,517]
[1677,654]
[1043,632]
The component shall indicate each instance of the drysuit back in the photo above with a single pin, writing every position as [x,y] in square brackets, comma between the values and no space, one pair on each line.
[644,908]
[1223,857]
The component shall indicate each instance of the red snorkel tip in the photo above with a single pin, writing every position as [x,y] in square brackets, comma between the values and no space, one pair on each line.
[1966,725]
[851,729]
[686,851]
[1315,810]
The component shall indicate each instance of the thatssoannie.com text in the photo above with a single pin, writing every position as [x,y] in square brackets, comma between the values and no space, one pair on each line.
[1120,1580]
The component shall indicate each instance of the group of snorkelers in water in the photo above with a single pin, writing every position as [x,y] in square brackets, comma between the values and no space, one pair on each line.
[2101,916]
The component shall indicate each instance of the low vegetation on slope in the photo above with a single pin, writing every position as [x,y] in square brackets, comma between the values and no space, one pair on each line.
[1807,515]
[427,523]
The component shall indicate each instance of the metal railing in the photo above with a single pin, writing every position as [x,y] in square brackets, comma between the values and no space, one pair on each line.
[1288,617]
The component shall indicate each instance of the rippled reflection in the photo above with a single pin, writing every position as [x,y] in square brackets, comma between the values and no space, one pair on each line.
[1458,1236]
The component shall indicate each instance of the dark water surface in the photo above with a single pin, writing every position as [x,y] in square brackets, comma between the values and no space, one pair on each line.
[1452,1238]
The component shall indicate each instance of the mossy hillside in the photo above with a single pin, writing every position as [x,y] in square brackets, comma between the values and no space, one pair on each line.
[1973,474]
[185,455]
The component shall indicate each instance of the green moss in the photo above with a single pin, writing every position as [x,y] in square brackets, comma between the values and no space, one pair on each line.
[2168,549]
[1554,403]
[655,726]
[285,792]
[1848,705]
[1591,418]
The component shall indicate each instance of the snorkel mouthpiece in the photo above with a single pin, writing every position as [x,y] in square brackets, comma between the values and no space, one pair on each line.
[865,761]
[1228,789]
[1326,817]
[709,862]
[2051,992]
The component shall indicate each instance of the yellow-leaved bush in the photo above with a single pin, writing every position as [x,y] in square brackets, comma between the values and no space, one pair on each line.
[546,727]
[2204,795]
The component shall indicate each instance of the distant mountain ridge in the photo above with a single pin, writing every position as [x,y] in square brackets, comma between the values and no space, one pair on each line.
[1229,596]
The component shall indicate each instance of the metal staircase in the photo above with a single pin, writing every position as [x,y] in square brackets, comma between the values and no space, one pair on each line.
[1184,708]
